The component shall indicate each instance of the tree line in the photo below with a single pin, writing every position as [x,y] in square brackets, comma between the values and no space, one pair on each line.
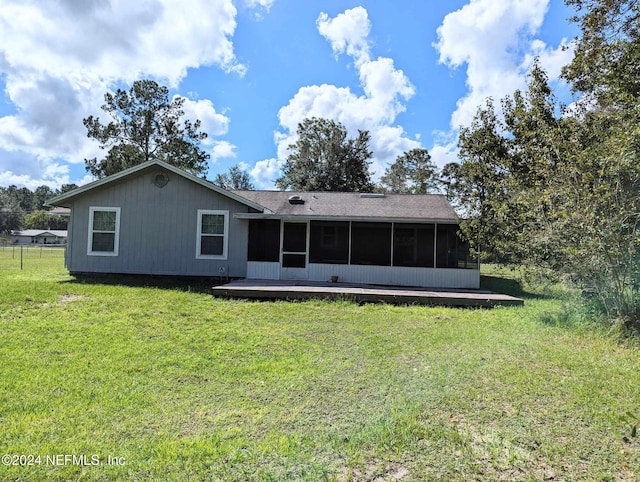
[21,208]
[555,186]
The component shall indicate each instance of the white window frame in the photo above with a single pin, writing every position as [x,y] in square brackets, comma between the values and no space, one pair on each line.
[225,235]
[116,241]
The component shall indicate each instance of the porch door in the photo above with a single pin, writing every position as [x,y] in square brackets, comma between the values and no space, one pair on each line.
[294,251]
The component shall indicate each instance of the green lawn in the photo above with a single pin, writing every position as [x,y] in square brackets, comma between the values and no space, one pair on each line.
[187,387]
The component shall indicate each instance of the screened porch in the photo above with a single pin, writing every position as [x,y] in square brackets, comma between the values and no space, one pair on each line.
[395,253]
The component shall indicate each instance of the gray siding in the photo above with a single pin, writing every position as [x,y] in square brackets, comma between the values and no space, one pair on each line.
[158,228]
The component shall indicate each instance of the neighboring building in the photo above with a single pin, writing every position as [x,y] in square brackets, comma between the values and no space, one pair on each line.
[39,236]
[157,219]
[65,212]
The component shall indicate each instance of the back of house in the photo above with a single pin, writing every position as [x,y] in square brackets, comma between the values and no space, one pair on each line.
[157,219]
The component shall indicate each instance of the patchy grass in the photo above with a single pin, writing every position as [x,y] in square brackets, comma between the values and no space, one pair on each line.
[186,387]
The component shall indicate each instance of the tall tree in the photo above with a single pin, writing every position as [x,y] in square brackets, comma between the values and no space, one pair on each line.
[604,72]
[450,182]
[559,191]
[145,125]
[412,172]
[11,214]
[235,179]
[482,187]
[607,50]
[22,195]
[325,159]
[66,188]
[40,197]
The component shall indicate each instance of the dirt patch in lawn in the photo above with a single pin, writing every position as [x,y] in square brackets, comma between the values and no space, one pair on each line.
[62,299]
[375,471]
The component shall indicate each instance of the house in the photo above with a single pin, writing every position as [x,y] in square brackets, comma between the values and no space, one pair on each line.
[39,236]
[64,212]
[154,218]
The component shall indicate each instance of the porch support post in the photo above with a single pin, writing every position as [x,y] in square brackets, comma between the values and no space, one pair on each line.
[349,258]
[393,240]
[435,245]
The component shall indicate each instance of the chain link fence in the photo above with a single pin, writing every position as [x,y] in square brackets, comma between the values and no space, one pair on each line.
[17,256]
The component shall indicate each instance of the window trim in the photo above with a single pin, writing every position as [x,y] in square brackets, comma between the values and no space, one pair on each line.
[225,235]
[116,241]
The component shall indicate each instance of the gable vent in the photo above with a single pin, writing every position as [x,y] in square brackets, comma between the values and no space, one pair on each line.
[295,199]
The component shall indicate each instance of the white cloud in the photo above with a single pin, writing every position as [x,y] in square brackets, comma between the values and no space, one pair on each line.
[222,150]
[265,172]
[117,40]
[53,175]
[264,5]
[491,37]
[495,40]
[348,32]
[213,123]
[385,91]
[57,59]
[445,150]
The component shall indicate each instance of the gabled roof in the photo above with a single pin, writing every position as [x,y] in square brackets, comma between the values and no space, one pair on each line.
[60,233]
[310,205]
[354,206]
[63,199]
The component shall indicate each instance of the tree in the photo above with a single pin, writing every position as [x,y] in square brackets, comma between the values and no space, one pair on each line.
[145,125]
[607,50]
[604,72]
[11,214]
[66,188]
[481,186]
[42,219]
[23,196]
[412,172]
[547,189]
[40,196]
[324,159]
[235,179]
[452,182]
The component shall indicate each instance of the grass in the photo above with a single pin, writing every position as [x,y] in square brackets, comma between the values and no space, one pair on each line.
[187,387]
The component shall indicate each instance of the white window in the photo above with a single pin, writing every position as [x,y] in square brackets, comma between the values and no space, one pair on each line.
[104,231]
[213,230]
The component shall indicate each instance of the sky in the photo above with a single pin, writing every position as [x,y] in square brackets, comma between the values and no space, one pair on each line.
[411,72]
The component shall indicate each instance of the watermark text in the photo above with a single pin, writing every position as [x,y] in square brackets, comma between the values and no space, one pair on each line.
[85,460]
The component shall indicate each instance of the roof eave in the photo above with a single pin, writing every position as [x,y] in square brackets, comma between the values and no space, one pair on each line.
[371,219]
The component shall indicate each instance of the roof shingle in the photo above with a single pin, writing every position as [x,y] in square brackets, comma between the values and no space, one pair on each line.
[420,207]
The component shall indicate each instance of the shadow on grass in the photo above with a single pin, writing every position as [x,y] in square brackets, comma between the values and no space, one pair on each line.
[204,285]
[177,283]
[509,286]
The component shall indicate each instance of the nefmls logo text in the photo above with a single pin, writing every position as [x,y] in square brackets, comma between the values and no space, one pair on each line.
[72,459]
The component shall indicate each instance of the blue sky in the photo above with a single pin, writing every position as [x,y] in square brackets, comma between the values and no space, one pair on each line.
[409,71]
